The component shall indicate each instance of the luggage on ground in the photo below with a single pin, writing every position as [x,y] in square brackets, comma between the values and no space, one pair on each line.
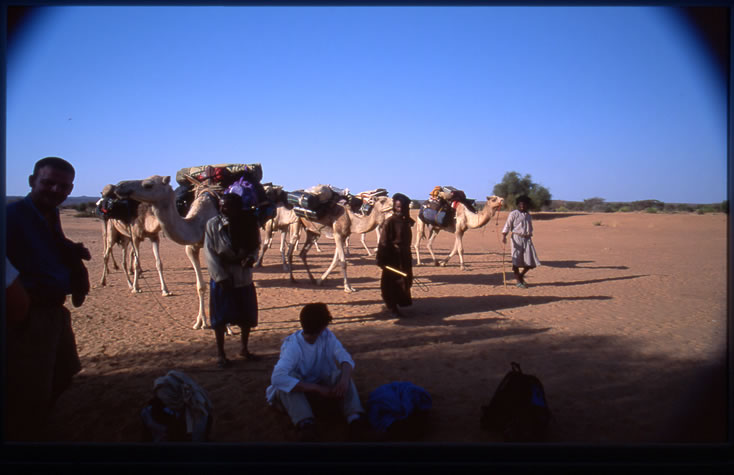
[518,409]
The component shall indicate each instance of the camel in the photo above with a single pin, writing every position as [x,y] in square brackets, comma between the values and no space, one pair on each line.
[143,226]
[111,235]
[339,221]
[187,231]
[464,220]
[287,222]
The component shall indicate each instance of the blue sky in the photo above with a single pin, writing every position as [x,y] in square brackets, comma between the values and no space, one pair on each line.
[611,102]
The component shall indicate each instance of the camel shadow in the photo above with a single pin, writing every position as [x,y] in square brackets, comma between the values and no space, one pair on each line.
[575,265]
[540,216]
[435,310]
[584,282]
[464,278]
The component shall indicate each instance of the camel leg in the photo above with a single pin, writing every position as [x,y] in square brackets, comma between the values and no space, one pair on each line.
[105,270]
[339,255]
[457,249]
[114,262]
[125,268]
[364,244]
[429,245]
[310,239]
[136,259]
[192,252]
[289,257]
[268,242]
[105,254]
[154,241]
[316,243]
[283,238]
[418,238]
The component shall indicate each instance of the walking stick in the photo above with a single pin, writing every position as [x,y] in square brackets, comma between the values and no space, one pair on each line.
[504,279]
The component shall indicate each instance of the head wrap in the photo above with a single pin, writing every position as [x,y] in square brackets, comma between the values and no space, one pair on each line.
[404,200]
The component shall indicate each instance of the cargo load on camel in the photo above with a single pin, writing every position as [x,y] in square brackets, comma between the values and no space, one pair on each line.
[440,208]
[364,201]
[239,178]
[314,202]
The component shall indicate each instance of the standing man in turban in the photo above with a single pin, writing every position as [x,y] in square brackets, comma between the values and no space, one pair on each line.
[394,252]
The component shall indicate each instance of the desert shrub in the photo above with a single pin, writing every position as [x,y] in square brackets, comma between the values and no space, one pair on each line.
[646,204]
[562,209]
[705,209]
[625,209]
[651,210]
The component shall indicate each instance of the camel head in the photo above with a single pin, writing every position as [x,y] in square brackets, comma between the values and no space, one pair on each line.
[383,204]
[151,190]
[108,191]
[495,203]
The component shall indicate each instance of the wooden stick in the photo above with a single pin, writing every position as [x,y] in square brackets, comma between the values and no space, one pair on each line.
[396,271]
[504,279]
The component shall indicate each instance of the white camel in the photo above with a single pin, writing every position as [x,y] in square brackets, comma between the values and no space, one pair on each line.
[340,222]
[143,226]
[110,238]
[187,231]
[464,220]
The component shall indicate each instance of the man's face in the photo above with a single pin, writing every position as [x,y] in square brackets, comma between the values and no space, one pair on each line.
[228,207]
[50,187]
[522,206]
[397,207]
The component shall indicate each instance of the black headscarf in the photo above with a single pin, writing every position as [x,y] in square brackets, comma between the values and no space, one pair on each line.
[405,201]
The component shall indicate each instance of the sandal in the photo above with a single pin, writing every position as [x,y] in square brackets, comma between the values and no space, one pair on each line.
[522,285]
[222,363]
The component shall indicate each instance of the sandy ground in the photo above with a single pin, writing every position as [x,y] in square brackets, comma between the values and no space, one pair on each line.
[625,324]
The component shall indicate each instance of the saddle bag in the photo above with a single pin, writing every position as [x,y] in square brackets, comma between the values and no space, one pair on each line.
[309,213]
[184,198]
[304,200]
[125,210]
[436,217]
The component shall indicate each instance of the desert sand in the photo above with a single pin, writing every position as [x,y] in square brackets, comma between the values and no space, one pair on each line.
[625,323]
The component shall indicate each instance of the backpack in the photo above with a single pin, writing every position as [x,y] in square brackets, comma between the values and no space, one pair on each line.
[518,408]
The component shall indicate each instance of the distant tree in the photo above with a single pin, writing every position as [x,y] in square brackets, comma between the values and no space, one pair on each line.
[594,204]
[514,186]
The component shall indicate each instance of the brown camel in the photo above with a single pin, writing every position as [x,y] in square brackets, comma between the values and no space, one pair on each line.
[187,231]
[340,222]
[464,220]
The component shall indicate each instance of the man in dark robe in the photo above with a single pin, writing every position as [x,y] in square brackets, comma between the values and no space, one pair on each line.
[395,258]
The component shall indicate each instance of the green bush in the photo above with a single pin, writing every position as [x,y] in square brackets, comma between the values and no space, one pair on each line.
[562,209]
[651,210]
[625,209]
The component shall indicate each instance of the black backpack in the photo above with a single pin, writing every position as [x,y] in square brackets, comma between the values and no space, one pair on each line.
[518,408]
